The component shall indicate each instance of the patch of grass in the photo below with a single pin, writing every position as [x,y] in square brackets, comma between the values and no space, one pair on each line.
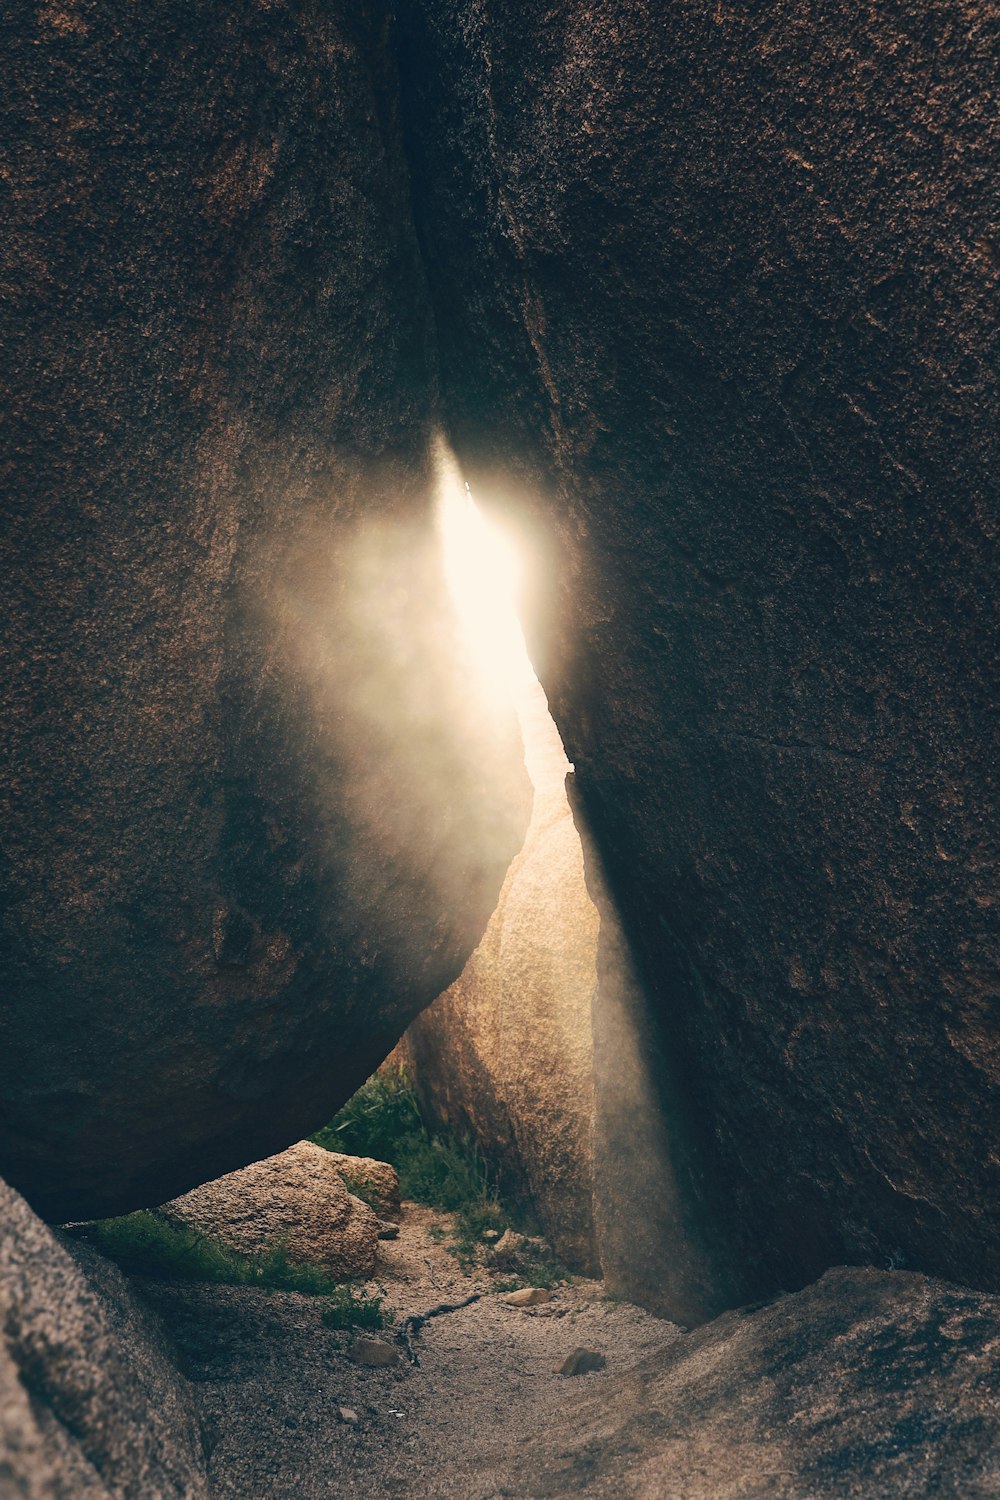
[535,1270]
[366,1192]
[541,1271]
[376,1120]
[441,1171]
[147,1243]
[351,1306]
[383,1120]
[471,1222]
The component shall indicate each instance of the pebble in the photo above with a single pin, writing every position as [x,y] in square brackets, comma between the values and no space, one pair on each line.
[508,1248]
[373,1352]
[528,1296]
[581,1362]
[349,1415]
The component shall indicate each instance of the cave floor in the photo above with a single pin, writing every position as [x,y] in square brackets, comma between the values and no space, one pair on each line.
[470,1422]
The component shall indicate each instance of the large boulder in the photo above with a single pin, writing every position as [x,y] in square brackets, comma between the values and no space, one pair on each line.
[716,295]
[296,1202]
[254,812]
[90,1400]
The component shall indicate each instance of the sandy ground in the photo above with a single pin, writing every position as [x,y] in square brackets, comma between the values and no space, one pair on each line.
[270,1381]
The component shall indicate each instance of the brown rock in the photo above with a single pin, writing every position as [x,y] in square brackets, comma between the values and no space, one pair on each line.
[297,1201]
[255,814]
[581,1362]
[375,1353]
[528,1296]
[865,1384]
[725,343]
[90,1402]
[509,1250]
[375,1182]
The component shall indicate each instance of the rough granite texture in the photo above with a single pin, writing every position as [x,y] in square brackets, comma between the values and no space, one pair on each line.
[90,1401]
[374,1182]
[254,815]
[296,1201]
[864,1386]
[716,292]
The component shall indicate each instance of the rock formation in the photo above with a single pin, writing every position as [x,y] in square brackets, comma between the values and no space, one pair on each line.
[542,1052]
[715,292]
[254,813]
[374,1182]
[90,1401]
[297,1202]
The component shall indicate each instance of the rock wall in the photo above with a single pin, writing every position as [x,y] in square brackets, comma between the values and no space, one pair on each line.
[254,813]
[542,1051]
[90,1399]
[716,290]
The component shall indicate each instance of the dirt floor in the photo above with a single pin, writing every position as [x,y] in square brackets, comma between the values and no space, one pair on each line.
[271,1380]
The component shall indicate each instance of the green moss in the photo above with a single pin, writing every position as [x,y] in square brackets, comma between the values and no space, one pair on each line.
[147,1243]
[352,1307]
[374,1121]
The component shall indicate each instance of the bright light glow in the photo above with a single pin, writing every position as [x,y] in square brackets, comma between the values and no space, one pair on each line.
[483,573]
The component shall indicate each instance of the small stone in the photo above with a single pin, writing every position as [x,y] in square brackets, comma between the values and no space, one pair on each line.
[373,1352]
[581,1362]
[528,1296]
[387,1230]
[348,1415]
[508,1248]
[491,1234]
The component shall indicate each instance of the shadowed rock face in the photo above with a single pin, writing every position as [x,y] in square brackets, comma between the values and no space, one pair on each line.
[246,836]
[716,299]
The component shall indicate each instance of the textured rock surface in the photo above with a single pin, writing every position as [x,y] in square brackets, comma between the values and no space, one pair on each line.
[245,833]
[716,293]
[375,1182]
[505,1055]
[90,1403]
[296,1200]
[865,1384]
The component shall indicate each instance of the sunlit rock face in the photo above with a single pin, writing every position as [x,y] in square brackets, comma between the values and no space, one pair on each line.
[716,298]
[255,813]
[505,1056]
